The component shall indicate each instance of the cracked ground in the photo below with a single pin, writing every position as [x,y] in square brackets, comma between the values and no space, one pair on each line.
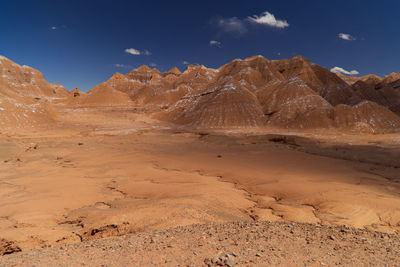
[58,190]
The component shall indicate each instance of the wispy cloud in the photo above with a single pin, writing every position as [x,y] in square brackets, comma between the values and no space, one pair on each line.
[153,64]
[346,36]
[232,25]
[146,53]
[239,27]
[343,71]
[122,66]
[136,52]
[268,19]
[215,43]
[185,62]
[54,28]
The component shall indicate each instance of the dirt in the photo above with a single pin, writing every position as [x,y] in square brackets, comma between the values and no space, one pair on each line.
[228,244]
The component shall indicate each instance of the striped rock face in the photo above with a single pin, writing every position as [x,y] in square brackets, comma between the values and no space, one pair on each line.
[24,81]
[227,105]
[366,116]
[26,97]
[383,91]
[254,92]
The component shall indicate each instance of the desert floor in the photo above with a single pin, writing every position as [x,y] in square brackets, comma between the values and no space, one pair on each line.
[109,172]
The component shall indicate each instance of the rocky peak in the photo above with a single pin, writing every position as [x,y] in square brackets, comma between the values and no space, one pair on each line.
[118,76]
[144,68]
[175,70]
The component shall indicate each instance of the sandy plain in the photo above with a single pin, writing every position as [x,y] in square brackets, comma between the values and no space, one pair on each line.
[107,172]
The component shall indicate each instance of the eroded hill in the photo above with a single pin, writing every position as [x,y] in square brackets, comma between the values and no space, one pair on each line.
[250,93]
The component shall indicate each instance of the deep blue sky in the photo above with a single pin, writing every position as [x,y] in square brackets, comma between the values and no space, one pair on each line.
[91,35]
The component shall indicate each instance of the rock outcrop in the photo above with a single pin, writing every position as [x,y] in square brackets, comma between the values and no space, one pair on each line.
[26,97]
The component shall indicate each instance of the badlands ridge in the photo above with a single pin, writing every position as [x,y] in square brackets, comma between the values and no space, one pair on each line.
[254,92]
[281,161]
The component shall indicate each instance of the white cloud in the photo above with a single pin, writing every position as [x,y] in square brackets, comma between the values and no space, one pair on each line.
[346,36]
[54,28]
[238,26]
[343,71]
[122,66]
[269,19]
[215,43]
[132,51]
[232,25]
[136,52]
[185,62]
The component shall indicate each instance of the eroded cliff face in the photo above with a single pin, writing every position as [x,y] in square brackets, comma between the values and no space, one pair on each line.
[26,97]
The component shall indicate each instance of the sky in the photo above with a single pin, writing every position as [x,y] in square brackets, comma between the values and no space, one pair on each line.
[83,43]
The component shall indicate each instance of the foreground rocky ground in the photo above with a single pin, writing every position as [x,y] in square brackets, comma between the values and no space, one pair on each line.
[228,244]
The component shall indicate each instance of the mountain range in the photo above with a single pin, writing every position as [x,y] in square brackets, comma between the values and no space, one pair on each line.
[254,92]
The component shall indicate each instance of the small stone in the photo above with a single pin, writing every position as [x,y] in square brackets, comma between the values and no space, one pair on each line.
[208,262]
[229,260]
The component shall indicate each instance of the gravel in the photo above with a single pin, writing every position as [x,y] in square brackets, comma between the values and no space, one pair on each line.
[228,244]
